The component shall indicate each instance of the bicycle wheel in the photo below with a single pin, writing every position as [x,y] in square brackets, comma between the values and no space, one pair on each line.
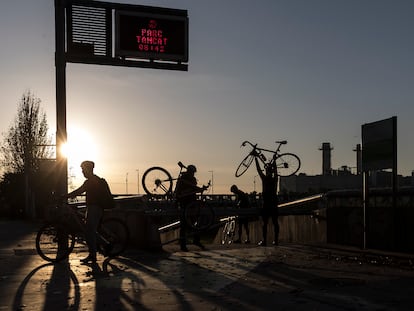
[228,232]
[232,231]
[287,164]
[53,243]
[199,215]
[113,237]
[244,165]
[157,181]
[224,233]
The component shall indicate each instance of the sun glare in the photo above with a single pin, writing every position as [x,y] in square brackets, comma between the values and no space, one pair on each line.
[79,147]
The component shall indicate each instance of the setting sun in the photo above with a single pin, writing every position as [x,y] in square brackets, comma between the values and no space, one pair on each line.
[79,147]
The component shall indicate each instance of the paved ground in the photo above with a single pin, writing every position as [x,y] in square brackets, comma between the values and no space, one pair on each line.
[237,277]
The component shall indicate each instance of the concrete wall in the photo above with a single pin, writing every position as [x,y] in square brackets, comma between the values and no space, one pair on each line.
[338,220]
[387,227]
[143,222]
[292,228]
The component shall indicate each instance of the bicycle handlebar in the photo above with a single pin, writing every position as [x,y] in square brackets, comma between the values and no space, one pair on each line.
[254,146]
[248,142]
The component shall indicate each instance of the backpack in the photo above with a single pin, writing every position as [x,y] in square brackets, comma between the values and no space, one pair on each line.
[107,199]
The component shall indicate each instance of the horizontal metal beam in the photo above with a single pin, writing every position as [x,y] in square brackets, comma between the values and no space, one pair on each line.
[96,60]
[127,7]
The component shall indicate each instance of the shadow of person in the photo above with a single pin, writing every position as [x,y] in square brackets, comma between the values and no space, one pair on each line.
[56,281]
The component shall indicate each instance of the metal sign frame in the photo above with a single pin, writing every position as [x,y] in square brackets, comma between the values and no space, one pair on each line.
[93,35]
[84,33]
[379,147]
[379,151]
[150,39]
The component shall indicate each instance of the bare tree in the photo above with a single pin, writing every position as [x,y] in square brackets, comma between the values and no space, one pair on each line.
[26,141]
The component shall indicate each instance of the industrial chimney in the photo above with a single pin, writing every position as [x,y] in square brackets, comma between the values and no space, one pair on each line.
[358,151]
[326,158]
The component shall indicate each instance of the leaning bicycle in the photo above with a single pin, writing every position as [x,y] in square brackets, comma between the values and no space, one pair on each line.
[158,183]
[229,230]
[287,164]
[66,231]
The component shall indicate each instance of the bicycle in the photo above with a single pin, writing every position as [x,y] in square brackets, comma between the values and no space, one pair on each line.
[157,182]
[287,164]
[229,230]
[56,239]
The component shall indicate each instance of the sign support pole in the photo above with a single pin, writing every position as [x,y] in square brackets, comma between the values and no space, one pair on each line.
[60,63]
[394,184]
[365,205]
[379,151]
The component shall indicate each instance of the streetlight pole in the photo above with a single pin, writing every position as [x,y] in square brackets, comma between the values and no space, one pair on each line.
[212,181]
[254,182]
[137,181]
[126,183]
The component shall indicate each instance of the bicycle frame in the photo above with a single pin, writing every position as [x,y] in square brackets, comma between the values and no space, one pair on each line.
[198,215]
[57,237]
[67,215]
[182,166]
[286,164]
[258,152]
[158,182]
[75,214]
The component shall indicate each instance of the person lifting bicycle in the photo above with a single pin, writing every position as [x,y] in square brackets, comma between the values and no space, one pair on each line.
[94,206]
[186,194]
[270,199]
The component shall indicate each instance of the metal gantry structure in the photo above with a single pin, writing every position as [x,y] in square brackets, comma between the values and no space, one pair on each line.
[99,33]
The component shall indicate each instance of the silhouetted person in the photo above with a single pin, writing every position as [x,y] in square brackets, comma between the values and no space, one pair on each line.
[186,194]
[270,200]
[94,209]
[242,221]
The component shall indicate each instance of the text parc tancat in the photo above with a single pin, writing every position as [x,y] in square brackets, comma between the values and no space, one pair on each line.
[151,39]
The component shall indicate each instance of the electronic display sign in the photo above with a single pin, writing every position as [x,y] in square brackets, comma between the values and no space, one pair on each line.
[151,36]
[379,144]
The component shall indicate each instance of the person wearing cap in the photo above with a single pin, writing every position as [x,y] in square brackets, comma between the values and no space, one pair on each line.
[242,221]
[94,210]
[186,194]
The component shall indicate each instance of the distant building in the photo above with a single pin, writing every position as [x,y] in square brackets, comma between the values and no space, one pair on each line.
[303,183]
[343,178]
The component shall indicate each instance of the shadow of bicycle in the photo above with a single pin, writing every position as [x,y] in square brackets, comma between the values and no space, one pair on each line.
[49,287]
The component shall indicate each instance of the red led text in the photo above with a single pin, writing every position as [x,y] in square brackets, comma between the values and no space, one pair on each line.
[151,39]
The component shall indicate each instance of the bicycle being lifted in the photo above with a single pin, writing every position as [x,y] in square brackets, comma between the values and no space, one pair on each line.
[287,163]
[158,184]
